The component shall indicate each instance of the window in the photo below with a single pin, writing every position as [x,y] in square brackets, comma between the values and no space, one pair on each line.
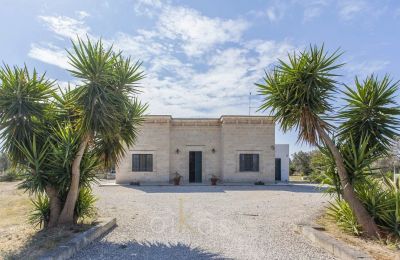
[249,162]
[142,162]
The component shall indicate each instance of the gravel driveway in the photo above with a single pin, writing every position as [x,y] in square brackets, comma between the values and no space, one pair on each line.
[207,222]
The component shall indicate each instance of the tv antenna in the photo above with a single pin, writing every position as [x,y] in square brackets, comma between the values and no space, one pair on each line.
[249,103]
[250,107]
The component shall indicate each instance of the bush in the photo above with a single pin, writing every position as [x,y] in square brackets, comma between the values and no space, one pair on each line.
[84,207]
[12,174]
[41,213]
[381,199]
[342,214]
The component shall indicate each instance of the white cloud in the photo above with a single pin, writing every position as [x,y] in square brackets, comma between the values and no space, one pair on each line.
[198,33]
[65,26]
[311,13]
[314,8]
[276,11]
[50,54]
[222,88]
[210,80]
[349,8]
[82,14]
[141,45]
[149,8]
[365,68]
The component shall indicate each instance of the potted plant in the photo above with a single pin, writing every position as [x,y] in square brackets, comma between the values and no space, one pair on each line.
[177,178]
[259,183]
[214,179]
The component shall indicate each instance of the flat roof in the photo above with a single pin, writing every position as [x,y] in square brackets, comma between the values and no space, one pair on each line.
[210,118]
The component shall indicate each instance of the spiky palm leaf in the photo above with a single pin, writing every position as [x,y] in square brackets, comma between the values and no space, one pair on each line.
[372,111]
[24,103]
[107,109]
[343,215]
[298,92]
[358,157]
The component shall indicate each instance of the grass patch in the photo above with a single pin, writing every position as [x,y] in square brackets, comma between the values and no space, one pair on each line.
[18,238]
[296,178]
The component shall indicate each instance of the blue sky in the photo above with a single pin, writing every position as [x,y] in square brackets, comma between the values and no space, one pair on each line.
[203,57]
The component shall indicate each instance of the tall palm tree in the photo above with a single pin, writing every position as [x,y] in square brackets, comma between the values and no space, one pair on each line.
[299,93]
[61,137]
[106,110]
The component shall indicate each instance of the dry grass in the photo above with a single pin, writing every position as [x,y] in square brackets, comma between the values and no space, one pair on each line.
[14,210]
[296,178]
[382,250]
[19,239]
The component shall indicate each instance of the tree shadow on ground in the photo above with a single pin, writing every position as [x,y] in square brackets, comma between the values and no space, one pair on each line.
[45,240]
[301,188]
[145,250]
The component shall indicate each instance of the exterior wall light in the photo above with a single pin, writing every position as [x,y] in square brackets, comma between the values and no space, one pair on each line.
[213,150]
[177,151]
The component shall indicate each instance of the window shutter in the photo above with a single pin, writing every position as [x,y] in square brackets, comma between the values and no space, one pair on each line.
[241,162]
[135,162]
[255,162]
[149,163]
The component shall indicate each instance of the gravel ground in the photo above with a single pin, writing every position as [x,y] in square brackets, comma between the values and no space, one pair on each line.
[207,222]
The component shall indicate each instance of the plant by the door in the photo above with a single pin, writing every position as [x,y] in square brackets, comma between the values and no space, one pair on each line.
[177,178]
[214,179]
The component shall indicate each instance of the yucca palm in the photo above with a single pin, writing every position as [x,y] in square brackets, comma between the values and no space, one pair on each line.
[24,103]
[63,137]
[107,116]
[371,111]
[299,93]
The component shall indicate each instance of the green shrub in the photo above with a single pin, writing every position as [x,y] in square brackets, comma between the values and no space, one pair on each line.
[85,205]
[12,174]
[342,214]
[41,213]
[84,208]
[381,199]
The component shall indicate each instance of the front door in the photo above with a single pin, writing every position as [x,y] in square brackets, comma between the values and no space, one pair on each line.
[195,166]
[278,169]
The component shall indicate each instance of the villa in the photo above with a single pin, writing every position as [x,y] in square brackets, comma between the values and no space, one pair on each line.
[233,148]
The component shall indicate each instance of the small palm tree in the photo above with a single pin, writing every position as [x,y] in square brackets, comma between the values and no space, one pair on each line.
[299,93]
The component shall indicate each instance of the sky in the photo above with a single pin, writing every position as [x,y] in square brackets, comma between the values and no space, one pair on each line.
[202,58]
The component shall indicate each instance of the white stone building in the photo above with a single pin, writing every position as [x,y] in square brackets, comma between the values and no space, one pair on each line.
[234,148]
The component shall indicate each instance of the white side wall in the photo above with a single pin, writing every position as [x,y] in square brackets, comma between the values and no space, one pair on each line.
[282,151]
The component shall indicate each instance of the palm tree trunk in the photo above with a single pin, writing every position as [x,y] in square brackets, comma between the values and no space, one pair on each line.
[55,206]
[363,217]
[67,214]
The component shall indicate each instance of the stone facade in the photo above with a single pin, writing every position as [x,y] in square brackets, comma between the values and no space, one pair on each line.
[221,141]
